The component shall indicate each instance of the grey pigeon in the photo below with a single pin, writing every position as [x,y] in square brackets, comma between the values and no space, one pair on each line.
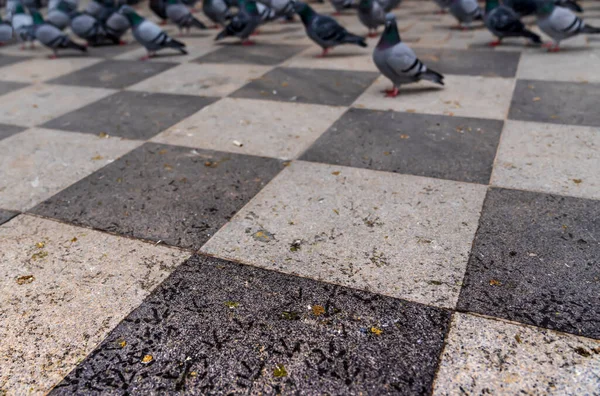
[159,8]
[51,37]
[22,24]
[90,29]
[60,16]
[243,24]
[389,5]
[116,25]
[340,5]
[324,30]
[398,62]
[281,8]
[372,15]
[504,22]
[100,9]
[11,5]
[190,3]
[217,11]
[465,12]
[570,4]
[180,15]
[530,7]
[149,35]
[560,24]
[267,14]
[6,31]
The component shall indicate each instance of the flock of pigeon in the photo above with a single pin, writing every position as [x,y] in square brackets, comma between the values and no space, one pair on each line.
[105,21]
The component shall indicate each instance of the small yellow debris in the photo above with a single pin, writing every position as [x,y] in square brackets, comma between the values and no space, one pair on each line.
[336,173]
[232,304]
[147,359]
[21,280]
[40,245]
[386,153]
[376,331]
[102,135]
[97,158]
[35,106]
[411,110]
[318,310]
[279,371]
[537,99]
[74,239]
[403,136]
[495,282]
[162,152]
[577,181]
[39,255]
[337,212]
[168,167]
[518,339]
[119,180]
[284,84]
[123,344]
[193,374]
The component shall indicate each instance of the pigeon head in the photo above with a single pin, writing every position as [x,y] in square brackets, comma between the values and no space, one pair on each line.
[172,1]
[544,7]
[390,35]
[306,13]
[491,4]
[19,9]
[365,4]
[249,6]
[37,17]
[132,16]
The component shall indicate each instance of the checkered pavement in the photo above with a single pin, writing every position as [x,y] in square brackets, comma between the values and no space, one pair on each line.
[254,220]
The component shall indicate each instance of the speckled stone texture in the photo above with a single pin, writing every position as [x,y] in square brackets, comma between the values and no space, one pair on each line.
[453,148]
[6,215]
[535,260]
[484,356]
[399,235]
[194,192]
[63,289]
[216,327]
[266,54]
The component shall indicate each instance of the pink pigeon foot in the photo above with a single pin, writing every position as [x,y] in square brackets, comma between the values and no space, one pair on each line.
[323,54]
[495,43]
[248,42]
[392,93]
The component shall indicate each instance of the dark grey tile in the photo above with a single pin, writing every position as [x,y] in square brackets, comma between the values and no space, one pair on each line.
[453,148]
[132,115]
[9,130]
[535,260]
[471,63]
[110,51]
[263,54]
[6,215]
[556,102]
[6,60]
[9,86]
[216,327]
[113,74]
[327,87]
[174,194]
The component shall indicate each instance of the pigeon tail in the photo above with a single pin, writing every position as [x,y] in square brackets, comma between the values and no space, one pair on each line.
[198,24]
[350,38]
[433,76]
[532,36]
[72,44]
[587,29]
[177,45]
[224,33]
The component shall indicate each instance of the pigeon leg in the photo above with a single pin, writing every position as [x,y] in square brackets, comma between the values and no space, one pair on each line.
[554,48]
[32,45]
[372,33]
[255,33]
[147,56]
[215,26]
[22,46]
[337,13]
[122,42]
[322,54]
[53,56]
[441,12]
[247,42]
[163,22]
[393,93]
[495,43]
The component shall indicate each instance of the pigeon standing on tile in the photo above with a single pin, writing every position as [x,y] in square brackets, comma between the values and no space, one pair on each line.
[324,30]
[115,26]
[340,5]
[560,24]
[22,24]
[280,8]
[148,34]
[267,14]
[181,16]
[159,8]
[372,15]
[90,29]
[60,16]
[217,11]
[100,9]
[6,31]
[51,37]
[504,22]
[398,62]
[465,12]
[243,24]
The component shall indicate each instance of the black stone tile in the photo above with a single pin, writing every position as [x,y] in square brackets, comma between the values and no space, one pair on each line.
[535,260]
[9,130]
[132,115]
[9,86]
[263,54]
[318,86]
[453,148]
[159,192]
[113,74]
[110,51]
[6,60]
[219,328]
[6,215]
[471,63]
[556,102]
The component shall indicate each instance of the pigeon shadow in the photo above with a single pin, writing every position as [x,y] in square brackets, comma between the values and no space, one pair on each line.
[418,90]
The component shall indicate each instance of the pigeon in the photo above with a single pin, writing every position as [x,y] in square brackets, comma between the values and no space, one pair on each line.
[179,14]
[50,36]
[190,3]
[570,4]
[90,29]
[465,12]
[159,8]
[398,62]
[389,5]
[279,8]
[11,5]
[324,30]
[101,9]
[444,5]
[149,34]
[372,15]
[560,24]
[6,31]
[243,23]
[340,5]
[529,7]
[504,22]
[217,11]
[115,26]
[60,16]
[22,24]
